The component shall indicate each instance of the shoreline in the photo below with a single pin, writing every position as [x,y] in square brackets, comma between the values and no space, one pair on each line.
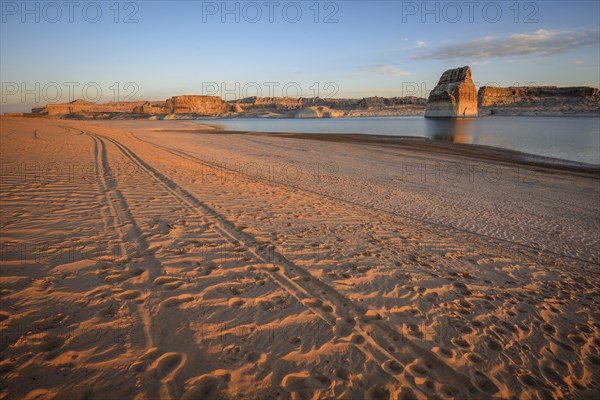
[491,153]
[424,144]
[478,151]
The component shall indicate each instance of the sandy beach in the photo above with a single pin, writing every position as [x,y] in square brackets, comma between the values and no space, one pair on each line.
[171,260]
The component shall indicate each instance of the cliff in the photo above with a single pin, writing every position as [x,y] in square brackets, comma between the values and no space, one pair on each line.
[82,106]
[308,107]
[454,96]
[202,105]
[198,105]
[318,112]
[539,100]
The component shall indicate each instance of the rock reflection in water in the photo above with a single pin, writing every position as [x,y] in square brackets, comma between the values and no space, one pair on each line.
[450,129]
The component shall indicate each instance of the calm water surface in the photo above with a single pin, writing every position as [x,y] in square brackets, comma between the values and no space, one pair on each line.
[568,138]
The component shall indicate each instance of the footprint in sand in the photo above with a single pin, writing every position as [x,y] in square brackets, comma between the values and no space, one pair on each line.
[295,340]
[461,342]
[168,282]
[548,328]
[130,295]
[327,308]
[301,381]
[206,387]
[529,380]
[115,277]
[476,323]
[174,301]
[342,373]
[235,302]
[138,366]
[369,317]
[377,393]
[49,322]
[343,326]
[165,364]
[313,303]
[576,338]
[474,358]
[594,361]
[363,269]
[252,356]
[357,339]
[405,394]
[444,352]
[392,367]
[494,345]
[135,271]
[50,342]
[270,268]
[584,328]
[448,392]
[484,383]
[418,369]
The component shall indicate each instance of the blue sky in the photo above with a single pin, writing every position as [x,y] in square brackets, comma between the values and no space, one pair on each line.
[348,49]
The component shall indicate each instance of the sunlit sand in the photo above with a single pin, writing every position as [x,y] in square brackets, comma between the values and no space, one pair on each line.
[166,259]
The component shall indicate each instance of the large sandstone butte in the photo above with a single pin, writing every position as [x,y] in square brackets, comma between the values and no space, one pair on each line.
[454,96]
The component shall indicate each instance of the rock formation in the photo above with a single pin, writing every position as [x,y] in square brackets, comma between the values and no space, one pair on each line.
[82,106]
[190,107]
[152,107]
[202,105]
[198,105]
[539,100]
[454,96]
[318,112]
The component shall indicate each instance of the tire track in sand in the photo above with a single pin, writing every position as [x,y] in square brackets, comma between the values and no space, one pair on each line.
[497,242]
[374,336]
[128,232]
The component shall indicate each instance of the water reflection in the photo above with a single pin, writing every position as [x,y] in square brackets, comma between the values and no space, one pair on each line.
[569,138]
[453,130]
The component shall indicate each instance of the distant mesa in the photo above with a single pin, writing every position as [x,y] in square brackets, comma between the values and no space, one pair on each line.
[539,100]
[455,96]
[194,106]
[202,105]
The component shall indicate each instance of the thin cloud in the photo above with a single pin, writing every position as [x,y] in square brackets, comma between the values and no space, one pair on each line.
[389,70]
[541,42]
[421,43]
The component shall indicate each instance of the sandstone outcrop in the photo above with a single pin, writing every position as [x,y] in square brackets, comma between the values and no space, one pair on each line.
[82,106]
[192,106]
[198,105]
[318,112]
[152,107]
[202,105]
[275,103]
[455,96]
[539,100]
[282,107]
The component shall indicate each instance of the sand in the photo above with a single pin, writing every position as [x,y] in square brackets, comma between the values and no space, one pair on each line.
[167,259]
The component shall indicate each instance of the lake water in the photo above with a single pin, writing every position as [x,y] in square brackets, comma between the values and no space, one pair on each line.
[567,138]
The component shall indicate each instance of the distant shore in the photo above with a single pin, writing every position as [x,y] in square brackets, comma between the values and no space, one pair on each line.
[422,144]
